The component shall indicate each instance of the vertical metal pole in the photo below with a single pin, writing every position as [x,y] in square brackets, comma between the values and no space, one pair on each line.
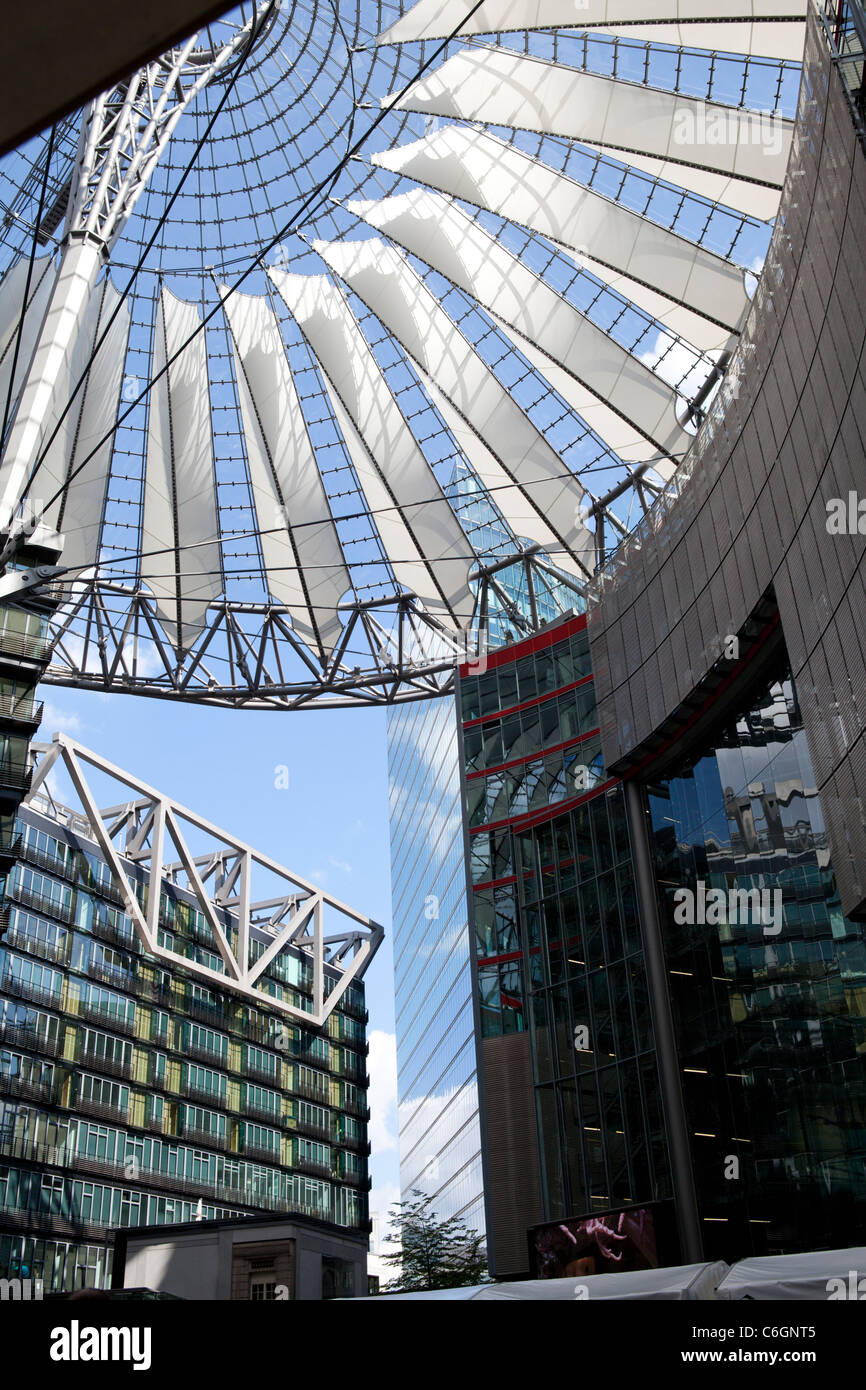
[685,1193]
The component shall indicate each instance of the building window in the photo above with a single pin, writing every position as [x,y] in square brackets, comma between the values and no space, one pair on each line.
[264,1291]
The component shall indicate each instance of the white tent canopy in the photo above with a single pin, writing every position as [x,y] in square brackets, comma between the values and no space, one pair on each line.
[677,1282]
[817,1274]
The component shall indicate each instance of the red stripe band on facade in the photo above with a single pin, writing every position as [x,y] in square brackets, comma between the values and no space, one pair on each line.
[516,650]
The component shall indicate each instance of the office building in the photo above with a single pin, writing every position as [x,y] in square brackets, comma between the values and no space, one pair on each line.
[571,1118]
[143,1087]
[674,961]
[440,1143]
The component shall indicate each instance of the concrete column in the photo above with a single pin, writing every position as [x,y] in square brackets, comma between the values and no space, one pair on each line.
[685,1194]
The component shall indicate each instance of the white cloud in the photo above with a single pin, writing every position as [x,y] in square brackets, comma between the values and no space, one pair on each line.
[55,719]
[382,1199]
[383,1090]
[340,864]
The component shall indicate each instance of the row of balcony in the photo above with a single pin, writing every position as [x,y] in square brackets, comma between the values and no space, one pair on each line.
[41,902]
[26,1035]
[218,1016]
[54,951]
[19,988]
[48,1092]
[48,1155]
[116,976]
[21,644]
[10,851]
[21,710]
[101,1014]
[74,870]
[49,1223]
[28,1087]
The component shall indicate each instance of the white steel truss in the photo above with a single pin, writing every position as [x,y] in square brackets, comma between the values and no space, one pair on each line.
[259,478]
[221,882]
[125,131]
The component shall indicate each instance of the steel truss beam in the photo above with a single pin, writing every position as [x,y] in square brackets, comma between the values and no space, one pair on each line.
[125,130]
[136,832]
[108,636]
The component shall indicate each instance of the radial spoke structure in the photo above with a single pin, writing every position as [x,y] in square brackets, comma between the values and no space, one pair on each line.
[343,340]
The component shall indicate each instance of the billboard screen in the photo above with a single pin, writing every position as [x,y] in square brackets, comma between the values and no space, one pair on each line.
[608,1242]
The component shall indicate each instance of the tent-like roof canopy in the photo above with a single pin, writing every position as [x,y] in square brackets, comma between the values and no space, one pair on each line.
[340,341]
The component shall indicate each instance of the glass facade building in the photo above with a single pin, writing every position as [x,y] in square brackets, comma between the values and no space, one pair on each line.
[440,1139]
[765,990]
[770,1015]
[558,951]
[440,1142]
[132,1094]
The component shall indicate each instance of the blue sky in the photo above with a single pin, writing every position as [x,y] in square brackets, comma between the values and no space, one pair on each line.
[330,824]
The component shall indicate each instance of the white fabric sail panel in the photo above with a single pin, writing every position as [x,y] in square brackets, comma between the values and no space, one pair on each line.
[754,199]
[303,558]
[42,283]
[88,429]
[438,19]
[412,514]
[781,41]
[484,170]
[438,231]
[54,469]
[181,561]
[502,87]
[700,332]
[548,509]
[611,428]
[514,505]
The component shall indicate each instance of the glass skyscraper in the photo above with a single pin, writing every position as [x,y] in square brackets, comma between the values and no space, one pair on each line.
[572,1112]
[440,1140]
[766,992]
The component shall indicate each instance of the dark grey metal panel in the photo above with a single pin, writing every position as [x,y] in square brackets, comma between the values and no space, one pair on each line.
[750,521]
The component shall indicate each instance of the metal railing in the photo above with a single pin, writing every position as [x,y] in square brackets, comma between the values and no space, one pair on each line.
[193,1091]
[15,773]
[26,1035]
[26,989]
[53,863]
[99,1013]
[118,936]
[34,1088]
[112,975]
[23,644]
[101,1109]
[89,1057]
[42,902]
[56,952]
[21,709]
[844,25]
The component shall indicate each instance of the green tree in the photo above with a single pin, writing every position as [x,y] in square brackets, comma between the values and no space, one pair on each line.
[432,1254]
